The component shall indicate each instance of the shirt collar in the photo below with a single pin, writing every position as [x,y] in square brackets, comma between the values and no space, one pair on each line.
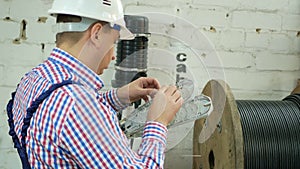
[85,74]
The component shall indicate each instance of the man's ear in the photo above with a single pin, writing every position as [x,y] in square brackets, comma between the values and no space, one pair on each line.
[95,32]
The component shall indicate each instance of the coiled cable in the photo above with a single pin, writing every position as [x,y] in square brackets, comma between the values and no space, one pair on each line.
[271,133]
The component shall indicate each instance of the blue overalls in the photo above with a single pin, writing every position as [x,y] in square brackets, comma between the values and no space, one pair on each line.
[21,147]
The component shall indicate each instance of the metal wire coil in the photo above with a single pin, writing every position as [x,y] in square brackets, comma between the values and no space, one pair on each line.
[271,133]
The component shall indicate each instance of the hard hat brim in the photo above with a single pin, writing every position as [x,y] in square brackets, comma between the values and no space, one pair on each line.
[125,34]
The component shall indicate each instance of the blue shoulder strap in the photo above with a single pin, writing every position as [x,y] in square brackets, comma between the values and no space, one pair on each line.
[21,147]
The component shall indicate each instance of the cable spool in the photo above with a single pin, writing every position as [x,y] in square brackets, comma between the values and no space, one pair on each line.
[251,134]
[297,89]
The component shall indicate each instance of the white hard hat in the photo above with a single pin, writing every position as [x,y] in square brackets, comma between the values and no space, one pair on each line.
[92,10]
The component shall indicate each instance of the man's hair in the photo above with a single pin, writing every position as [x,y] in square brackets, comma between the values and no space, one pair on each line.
[71,37]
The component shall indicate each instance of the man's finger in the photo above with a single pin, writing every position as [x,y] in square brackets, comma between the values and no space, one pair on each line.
[171,90]
[151,83]
[152,93]
[145,98]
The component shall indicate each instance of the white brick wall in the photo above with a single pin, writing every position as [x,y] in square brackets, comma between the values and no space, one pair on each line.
[232,39]
[280,62]
[264,5]
[291,22]
[280,43]
[237,60]
[261,81]
[293,7]
[4,7]
[199,16]
[9,30]
[258,43]
[252,20]
[219,3]
[257,40]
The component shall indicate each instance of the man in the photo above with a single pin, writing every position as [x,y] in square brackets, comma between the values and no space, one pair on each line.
[58,113]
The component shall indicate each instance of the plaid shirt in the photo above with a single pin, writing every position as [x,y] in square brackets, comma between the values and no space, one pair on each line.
[77,126]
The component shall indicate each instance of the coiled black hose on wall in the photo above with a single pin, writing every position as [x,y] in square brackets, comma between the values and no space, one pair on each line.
[271,133]
[131,62]
[132,55]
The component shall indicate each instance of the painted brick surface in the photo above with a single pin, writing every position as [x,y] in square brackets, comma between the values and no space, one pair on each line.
[204,17]
[253,20]
[13,74]
[291,22]
[4,8]
[155,3]
[257,40]
[271,5]
[262,80]
[232,39]
[293,7]
[1,72]
[221,3]
[5,96]
[139,9]
[237,60]
[45,35]
[12,55]
[10,30]
[29,9]
[280,43]
[279,62]
[296,43]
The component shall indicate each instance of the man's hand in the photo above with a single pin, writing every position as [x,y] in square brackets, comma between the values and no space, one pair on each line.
[138,89]
[166,103]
